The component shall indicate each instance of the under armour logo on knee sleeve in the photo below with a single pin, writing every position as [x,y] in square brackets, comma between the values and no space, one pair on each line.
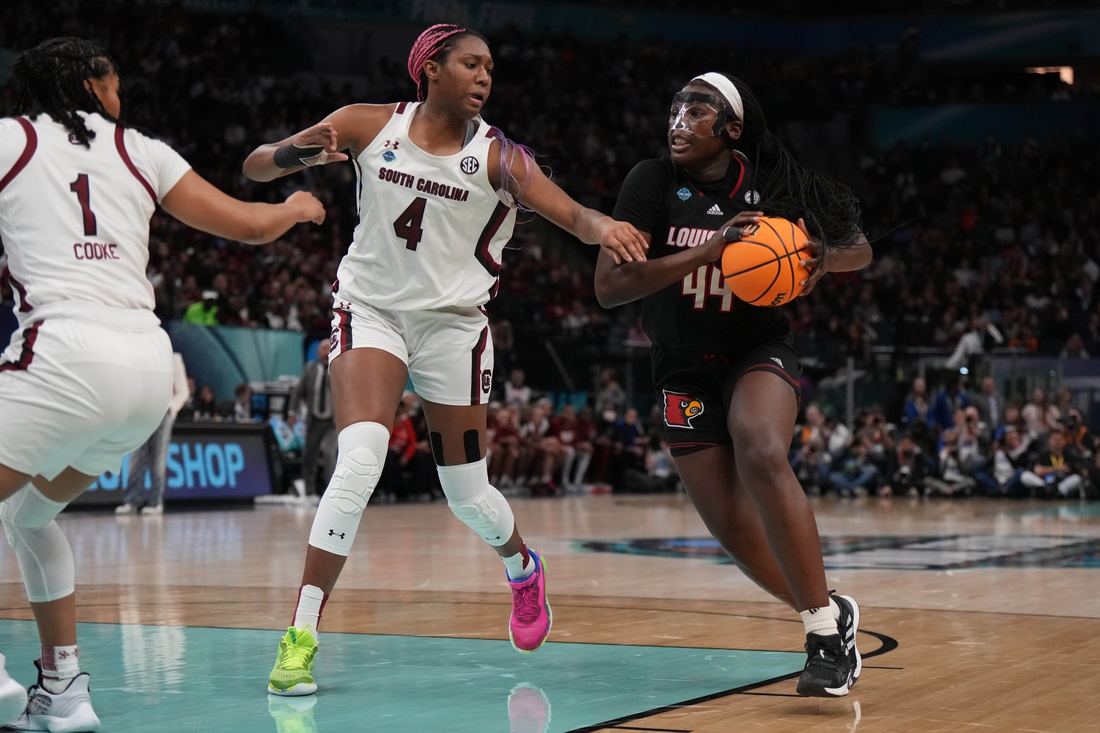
[333,533]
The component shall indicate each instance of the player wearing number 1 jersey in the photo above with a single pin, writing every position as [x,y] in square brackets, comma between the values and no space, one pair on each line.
[724,370]
[88,375]
[438,190]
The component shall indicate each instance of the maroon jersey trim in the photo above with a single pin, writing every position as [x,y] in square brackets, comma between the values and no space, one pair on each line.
[401,107]
[120,143]
[25,156]
[30,336]
[475,366]
[496,220]
[24,306]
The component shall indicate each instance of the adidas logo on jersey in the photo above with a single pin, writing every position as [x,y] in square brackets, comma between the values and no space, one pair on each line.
[777,360]
[715,211]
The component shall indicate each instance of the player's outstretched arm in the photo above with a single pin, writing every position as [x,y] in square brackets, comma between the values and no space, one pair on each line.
[619,239]
[198,204]
[348,128]
[617,284]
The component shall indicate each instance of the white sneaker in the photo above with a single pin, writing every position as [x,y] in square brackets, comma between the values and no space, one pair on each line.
[69,711]
[13,698]
[152,511]
[125,510]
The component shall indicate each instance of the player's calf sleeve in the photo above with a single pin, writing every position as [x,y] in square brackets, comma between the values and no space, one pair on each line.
[473,500]
[358,467]
[43,553]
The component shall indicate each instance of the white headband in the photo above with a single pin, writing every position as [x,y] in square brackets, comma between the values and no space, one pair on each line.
[727,89]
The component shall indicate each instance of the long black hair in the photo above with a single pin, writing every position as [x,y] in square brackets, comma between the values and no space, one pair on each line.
[49,78]
[788,189]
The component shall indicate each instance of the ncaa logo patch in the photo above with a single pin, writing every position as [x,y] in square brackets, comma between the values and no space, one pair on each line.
[469,165]
[681,409]
[752,197]
[684,194]
[389,156]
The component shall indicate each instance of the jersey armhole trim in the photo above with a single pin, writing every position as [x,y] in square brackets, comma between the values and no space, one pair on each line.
[25,156]
[120,143]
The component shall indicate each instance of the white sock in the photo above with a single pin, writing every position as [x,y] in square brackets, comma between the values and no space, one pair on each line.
[59,665]
[311,600]
[516,569]
[822,620]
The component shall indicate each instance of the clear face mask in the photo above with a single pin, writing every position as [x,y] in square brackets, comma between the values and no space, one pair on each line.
[697,113]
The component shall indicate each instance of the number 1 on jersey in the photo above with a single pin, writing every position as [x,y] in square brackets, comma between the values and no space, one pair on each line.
[83,192]
[408,225]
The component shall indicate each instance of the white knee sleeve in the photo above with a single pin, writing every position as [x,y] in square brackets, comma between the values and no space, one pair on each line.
[44,555]
[362,455]
[473,500]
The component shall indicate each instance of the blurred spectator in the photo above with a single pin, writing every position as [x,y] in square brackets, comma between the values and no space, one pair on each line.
[313,397]
[628,447]
[975,342]
[910,468]
[1075,348]
[204,409]
[1057,471]
[916,404]
[516,391]
[504,437]
[148,476]
[611,395]
[205,311]
[990,404]
[852,472]
[1039,415]
[1003,475]
[950,399]
[394,483]
[240,409]
[950,480]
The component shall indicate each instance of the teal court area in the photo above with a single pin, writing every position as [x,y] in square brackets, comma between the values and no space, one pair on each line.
[174,678]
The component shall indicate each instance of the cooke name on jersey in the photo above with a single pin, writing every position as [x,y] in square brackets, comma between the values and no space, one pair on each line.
[423,185]
[95,251]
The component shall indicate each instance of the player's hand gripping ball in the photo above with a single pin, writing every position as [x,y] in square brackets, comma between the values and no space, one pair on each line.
[765,266]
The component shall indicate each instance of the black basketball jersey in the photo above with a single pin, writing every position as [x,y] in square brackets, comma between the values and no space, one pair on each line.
[699,314]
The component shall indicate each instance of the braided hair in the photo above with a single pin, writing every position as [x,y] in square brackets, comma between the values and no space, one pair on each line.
[49,79]
[788,189]
[435,44]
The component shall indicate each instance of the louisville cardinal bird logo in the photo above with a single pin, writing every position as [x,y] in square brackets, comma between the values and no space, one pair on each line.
[681,409]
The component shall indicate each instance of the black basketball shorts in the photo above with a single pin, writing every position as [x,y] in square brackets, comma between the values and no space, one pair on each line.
[694,390]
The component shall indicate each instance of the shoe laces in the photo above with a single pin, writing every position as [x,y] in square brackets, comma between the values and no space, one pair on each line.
[527,607]
[821,650]
[297,655]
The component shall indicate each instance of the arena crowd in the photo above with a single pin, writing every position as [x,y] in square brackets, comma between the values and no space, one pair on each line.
[995,244]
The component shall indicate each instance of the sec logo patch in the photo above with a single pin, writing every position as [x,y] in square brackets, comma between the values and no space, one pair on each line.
[469,165]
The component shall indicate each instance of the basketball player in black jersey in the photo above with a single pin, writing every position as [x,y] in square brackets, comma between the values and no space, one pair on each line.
[725,371]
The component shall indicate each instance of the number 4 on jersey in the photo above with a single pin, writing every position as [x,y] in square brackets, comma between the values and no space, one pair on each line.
[704,282]
[408,225]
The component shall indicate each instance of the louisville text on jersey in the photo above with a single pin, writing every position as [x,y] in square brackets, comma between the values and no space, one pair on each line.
[423,185]
[688,236]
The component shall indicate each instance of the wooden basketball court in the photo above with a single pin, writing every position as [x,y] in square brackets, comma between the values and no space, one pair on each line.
[977,615]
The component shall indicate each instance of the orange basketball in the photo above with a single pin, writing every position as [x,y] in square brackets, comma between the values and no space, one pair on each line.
[765,268]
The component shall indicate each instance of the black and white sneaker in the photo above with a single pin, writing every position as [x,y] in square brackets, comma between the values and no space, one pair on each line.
[826,673]
[68,711]
[848,623]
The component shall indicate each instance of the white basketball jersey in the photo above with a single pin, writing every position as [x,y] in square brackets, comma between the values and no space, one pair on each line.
[74,221]
[431,228]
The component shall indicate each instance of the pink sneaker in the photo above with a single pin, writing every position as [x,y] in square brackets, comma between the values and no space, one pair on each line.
[531,616]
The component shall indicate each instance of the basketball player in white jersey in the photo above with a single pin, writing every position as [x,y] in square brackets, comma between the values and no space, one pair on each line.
[88,375]
[438,191]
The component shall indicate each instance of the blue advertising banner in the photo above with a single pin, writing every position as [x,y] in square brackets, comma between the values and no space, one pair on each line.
[204,462]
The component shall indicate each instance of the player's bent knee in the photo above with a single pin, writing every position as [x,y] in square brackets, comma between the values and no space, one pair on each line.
[44,556]
[358,468]
[476,503]
[354,480]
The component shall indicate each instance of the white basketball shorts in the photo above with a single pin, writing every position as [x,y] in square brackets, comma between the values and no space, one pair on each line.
[79,394]
[448,351]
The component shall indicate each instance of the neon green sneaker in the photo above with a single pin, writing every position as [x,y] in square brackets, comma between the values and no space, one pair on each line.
[293,673]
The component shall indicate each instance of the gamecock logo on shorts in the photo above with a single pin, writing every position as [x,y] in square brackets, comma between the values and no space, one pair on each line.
[486,380]
[681,409]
